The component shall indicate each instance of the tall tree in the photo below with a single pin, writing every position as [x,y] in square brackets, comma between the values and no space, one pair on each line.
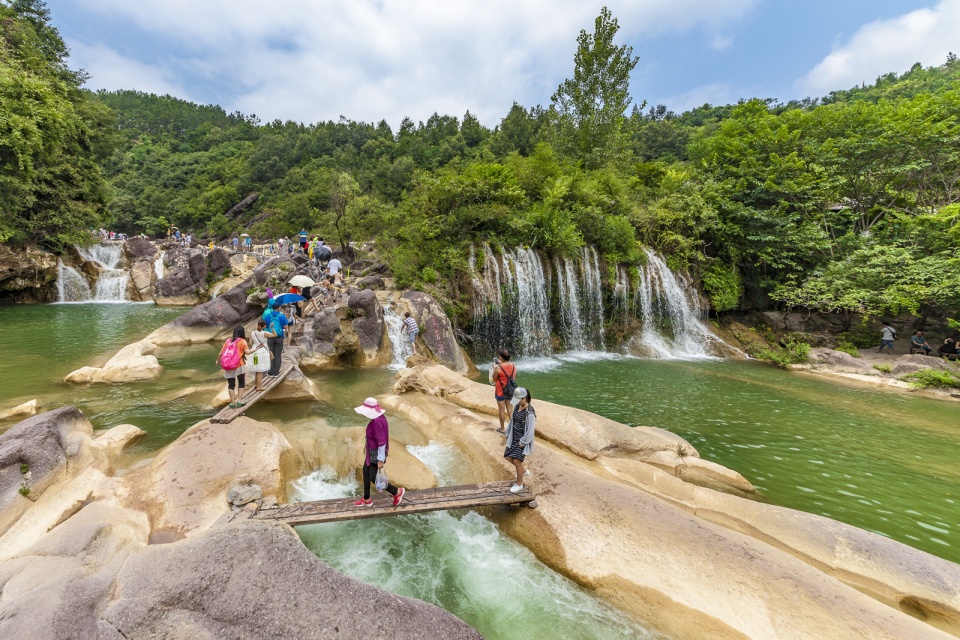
[589,107]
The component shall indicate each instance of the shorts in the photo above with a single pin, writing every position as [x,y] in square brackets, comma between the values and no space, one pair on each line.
[500,398]
[886,343]
[413,336]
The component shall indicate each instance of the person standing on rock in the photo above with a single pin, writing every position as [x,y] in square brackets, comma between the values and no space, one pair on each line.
[376,447]
[520,434]
[258,360]
[276,321]
[503,375]
[231,360]
[410,325]
[887,335]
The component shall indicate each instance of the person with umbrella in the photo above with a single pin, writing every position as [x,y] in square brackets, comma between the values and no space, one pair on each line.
[375,449]
[305,284]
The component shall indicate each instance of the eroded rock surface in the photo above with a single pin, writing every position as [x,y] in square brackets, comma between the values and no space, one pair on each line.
[436,330]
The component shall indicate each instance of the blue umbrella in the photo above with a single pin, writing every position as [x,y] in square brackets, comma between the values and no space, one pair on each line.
[287,298]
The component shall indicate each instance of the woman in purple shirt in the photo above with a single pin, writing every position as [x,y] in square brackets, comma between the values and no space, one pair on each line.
[376,447]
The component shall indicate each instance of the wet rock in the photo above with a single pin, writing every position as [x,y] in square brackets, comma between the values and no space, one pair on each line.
[25,409]
[436,331]
[369,326]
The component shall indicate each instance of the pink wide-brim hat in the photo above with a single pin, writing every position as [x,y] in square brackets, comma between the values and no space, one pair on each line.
[370,408]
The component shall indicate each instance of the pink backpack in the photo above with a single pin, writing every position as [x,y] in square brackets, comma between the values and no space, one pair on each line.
[230,358]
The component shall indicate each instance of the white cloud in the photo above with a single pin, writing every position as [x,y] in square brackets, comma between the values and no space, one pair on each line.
[111,70]
[924,36]
[370,59]
[719,43]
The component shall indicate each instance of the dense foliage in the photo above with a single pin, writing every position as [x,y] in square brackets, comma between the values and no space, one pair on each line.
[846,203]
[52,135]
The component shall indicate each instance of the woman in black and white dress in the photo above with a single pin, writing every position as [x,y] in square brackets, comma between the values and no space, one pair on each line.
[520,434]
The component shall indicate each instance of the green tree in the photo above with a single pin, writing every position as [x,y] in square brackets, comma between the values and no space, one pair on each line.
[590,106]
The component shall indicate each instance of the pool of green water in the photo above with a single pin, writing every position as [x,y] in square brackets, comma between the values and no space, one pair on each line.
[885,462]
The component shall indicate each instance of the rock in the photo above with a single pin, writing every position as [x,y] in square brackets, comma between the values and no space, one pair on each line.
[25,409]
[37,453]
[689,573]
[27,275]
[370,282]
[711,475]
[255,579]
[436,331]
[369,326]
[581,432]
[139,249]
[218,261]
[211,320]
[916,362]
[243,494]
[142,274]
[295,387]
[242,206]
[183,489]
[837,360]
[132,363]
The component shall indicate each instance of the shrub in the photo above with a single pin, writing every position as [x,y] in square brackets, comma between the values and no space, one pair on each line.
[884,367]
[932,378]
[722,283]
[791,352]
[847,347]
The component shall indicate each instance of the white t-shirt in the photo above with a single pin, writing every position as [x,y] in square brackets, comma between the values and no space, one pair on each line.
[888,333]
[334,266]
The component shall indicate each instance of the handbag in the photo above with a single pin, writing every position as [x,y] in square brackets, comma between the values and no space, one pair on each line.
[382,481]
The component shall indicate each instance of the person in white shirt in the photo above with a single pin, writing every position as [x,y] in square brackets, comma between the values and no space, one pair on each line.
[334,268]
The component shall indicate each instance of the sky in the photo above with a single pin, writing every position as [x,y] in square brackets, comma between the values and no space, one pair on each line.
[317,60]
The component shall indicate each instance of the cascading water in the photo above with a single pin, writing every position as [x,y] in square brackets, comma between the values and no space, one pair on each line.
[158,268]
[112,282]
[521,300]
[71,286]
[669,308]
[399,340]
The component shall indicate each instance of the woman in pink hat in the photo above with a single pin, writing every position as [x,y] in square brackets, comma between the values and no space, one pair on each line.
[375,449]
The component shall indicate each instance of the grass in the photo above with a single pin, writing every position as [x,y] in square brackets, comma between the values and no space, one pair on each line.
[791,352]
[934,378]
[884,367]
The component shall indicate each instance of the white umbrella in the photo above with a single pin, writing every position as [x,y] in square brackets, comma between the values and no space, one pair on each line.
[302,281]
[244,235]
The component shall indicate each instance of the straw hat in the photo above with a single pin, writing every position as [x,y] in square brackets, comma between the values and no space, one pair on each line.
[370,408]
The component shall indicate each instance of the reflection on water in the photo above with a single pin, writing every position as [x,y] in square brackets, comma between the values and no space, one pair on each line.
[882,461]
[460,562]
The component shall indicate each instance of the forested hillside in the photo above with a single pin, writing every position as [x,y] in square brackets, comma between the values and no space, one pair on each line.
[844,203]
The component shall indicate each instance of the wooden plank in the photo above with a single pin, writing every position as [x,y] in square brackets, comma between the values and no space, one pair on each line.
[228,415]
[438,499]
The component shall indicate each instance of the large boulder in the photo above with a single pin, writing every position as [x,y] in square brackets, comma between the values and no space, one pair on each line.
[187,272]
[134,362]
[209,321]
[369,326]
[838,361]
[27,275]
[184,489]
[916,362]
[36,454]
[140,249]
[436,331]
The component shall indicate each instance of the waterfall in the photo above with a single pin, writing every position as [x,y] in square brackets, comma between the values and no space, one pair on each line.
[568,293]
[621,294]
[532,302]
[71,286]
[593,297]
[158,265]
[399,340]
[669,308]
[112,282]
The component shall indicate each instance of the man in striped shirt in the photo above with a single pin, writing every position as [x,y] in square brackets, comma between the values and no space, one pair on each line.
[412,330]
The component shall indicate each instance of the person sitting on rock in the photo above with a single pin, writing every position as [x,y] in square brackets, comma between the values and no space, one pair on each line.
[917,341]
[948,349]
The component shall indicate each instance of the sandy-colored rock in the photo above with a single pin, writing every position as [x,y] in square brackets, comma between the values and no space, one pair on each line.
[687,576]
[142,274]
[184,488]
[296,387]
[583,433]
[21,410]
[134,362]
[839,361]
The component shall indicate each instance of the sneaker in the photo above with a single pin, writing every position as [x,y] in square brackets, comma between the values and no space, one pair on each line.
[397,499]
[363,503]
[516,488]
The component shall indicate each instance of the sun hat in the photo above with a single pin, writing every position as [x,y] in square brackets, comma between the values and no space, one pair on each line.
[519,394]
[370,408]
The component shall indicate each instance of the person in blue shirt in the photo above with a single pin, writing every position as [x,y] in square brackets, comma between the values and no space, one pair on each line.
[277,321]
[303,240]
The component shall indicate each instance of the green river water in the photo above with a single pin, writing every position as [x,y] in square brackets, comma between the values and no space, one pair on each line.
[885,462]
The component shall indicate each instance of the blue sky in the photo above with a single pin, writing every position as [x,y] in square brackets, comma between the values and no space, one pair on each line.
[312,60]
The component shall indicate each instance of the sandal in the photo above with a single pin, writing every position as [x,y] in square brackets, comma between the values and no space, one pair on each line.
[502,432]
[241,404]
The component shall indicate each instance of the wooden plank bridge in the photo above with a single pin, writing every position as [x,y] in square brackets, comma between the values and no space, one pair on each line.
[439,499]
[251,397]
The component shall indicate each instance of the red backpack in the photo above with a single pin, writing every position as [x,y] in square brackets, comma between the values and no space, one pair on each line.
[230,358]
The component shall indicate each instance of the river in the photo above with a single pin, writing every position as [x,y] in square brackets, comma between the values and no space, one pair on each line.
[881,461]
